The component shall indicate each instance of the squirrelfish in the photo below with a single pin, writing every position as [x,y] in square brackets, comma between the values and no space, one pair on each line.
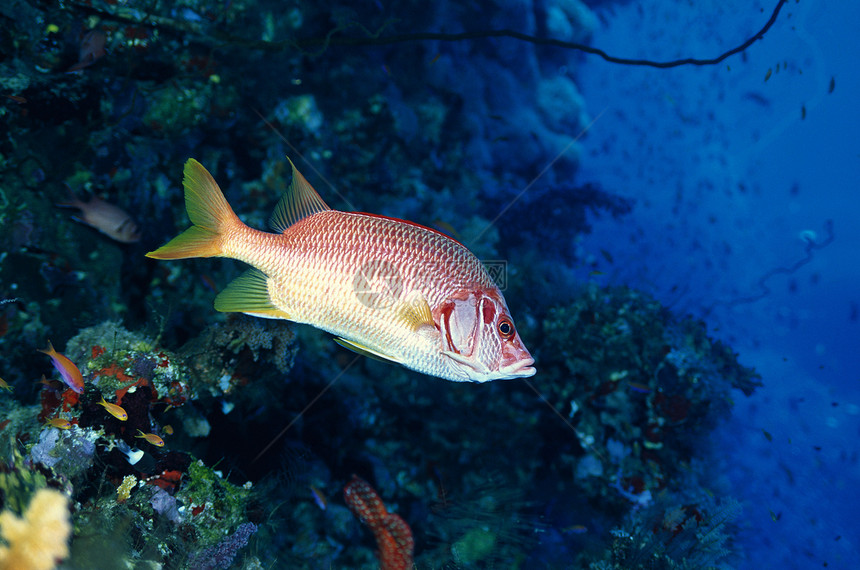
[67,369]
[384,287]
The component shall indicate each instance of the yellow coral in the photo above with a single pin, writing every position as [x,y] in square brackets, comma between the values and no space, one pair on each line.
[124,490]
[39,540]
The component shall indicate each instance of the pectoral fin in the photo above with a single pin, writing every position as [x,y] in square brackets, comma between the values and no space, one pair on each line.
[415,311]
[249,293]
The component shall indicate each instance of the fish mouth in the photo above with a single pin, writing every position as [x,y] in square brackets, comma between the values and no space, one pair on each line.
[520,369]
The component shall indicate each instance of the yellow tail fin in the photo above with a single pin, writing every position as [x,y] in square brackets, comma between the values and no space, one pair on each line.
[209,212]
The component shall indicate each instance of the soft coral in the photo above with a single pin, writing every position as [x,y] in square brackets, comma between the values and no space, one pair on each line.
[393,535]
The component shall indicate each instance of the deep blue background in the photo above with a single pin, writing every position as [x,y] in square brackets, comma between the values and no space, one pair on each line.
[726,174]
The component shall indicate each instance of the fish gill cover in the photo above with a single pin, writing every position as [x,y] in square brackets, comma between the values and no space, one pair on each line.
[205,440]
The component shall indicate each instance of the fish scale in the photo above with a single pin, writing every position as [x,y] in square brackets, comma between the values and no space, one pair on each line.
[317,285]
[386,287]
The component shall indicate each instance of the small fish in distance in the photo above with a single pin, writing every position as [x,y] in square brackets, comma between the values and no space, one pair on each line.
[110,220]
[92,49]
[387,288]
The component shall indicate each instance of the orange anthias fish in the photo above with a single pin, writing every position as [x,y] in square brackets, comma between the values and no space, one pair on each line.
[116,411]
[151,438]
[67,369]
[59,423]
[106,218]
[385,287]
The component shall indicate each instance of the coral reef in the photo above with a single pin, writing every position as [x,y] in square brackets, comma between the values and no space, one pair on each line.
[690,536]
[222,554]
[263,422]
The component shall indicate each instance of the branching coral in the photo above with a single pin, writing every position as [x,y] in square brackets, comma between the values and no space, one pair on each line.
[39,539]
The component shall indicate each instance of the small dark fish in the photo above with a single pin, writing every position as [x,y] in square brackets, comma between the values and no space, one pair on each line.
[832,85]
[209,283]
[767,435]
[768,74]
[756,98]
[775,516]
[802,112]
[92,50]
[319,498]
[447,229]
[788,473]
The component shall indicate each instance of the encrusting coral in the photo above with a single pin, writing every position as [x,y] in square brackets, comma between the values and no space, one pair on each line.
[39,539]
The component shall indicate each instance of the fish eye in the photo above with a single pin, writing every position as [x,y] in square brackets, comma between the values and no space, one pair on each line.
[505,328]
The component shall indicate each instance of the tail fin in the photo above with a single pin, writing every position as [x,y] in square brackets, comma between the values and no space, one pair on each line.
[209,212]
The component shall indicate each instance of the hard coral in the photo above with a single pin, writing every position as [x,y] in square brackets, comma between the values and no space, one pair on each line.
[38,540]
[222,554]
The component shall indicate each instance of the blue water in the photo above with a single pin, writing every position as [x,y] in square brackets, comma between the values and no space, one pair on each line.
[681,143]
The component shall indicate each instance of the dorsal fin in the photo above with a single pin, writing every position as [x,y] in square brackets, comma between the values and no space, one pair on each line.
[299,201]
